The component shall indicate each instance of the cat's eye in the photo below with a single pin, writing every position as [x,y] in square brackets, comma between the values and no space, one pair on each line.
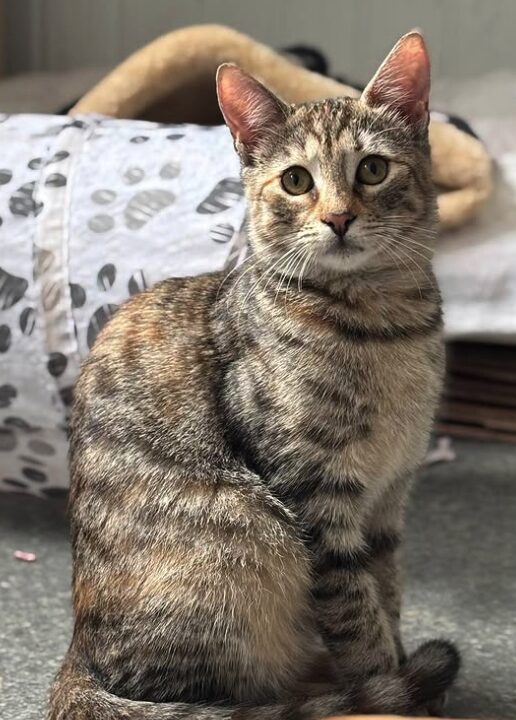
[297,180]
[372,170]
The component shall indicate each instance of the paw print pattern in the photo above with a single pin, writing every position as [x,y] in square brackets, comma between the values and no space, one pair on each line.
[103,197]
[7,394]
[145,205]
[226,193]
[78,295]
[133,175]
[137,283]
[222,232]
[50,295]
[23,203]
[5,176]
[170,171]
[12,289]
[101,223]
[5,338]
[99,318]
[59,156]
[27,321]
[56,364]
[35,163]
[7,440]
[55,180]
[162,211]
[43,261]
[31,457]
[106,277]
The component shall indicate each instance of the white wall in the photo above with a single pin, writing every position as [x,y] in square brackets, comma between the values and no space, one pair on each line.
[466,37]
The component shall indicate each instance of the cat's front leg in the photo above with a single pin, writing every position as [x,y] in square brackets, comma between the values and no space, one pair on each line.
[351,617]
[384,532]
[386,569]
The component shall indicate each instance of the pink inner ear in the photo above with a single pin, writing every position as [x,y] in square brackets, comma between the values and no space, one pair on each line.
[249,109]
[403,80]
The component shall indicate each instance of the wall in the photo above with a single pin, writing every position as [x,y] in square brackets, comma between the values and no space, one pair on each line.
[466,37]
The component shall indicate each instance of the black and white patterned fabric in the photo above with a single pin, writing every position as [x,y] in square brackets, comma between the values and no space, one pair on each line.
[93,211]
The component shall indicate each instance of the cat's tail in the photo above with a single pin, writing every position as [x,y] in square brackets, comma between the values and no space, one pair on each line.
[427,673]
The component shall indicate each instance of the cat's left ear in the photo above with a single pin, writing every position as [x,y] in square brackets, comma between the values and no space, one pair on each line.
[249,108]
[402,82]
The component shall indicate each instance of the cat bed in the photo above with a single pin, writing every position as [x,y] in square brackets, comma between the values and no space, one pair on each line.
[173,80]
[93,210]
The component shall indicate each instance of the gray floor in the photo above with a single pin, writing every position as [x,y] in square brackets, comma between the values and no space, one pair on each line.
[461,584]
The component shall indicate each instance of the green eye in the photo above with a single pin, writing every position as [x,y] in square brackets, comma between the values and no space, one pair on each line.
[297,180]
[372,170]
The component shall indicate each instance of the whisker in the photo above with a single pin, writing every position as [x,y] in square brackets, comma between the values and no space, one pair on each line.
[292,265]
[309,256]
[237,267]
[258,258]
[405,252]
[241,277]
[261,277]
[292,274]
[396,250]
[403,240]
[272,268]
[421,233]
[405,237]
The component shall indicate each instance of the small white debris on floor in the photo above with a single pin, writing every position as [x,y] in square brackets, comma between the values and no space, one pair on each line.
[442,452]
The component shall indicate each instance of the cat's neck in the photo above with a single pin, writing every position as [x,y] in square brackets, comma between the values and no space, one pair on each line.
[376,303]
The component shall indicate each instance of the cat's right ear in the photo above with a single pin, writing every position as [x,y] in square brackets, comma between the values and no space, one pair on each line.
[249,108]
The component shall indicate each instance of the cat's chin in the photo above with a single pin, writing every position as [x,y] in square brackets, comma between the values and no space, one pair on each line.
[344,259]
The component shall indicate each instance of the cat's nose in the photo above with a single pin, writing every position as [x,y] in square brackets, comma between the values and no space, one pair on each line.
[339,222]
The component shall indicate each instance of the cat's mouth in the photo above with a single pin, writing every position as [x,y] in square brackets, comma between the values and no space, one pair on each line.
[342,254]
[343,246]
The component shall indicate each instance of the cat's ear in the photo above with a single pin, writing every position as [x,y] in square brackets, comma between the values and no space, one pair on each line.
[249,108]
[403,80]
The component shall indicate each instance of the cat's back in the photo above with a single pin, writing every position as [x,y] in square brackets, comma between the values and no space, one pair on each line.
[145,389]
[152,337]
[171,312]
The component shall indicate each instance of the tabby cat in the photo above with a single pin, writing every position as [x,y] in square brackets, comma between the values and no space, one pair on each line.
[242,446]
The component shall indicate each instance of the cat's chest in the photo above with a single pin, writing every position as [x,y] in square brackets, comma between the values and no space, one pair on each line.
[369,410]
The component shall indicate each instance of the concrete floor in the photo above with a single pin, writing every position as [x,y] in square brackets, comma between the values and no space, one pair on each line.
[460,583]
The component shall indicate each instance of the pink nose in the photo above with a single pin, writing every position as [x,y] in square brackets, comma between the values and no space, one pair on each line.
[339,222]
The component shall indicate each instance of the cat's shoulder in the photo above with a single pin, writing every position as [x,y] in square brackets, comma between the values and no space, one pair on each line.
[149,340]
[150,316]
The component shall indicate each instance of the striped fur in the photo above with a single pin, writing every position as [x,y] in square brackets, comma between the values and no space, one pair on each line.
[242,448]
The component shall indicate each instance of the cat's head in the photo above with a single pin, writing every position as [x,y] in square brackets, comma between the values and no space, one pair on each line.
[341,184]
